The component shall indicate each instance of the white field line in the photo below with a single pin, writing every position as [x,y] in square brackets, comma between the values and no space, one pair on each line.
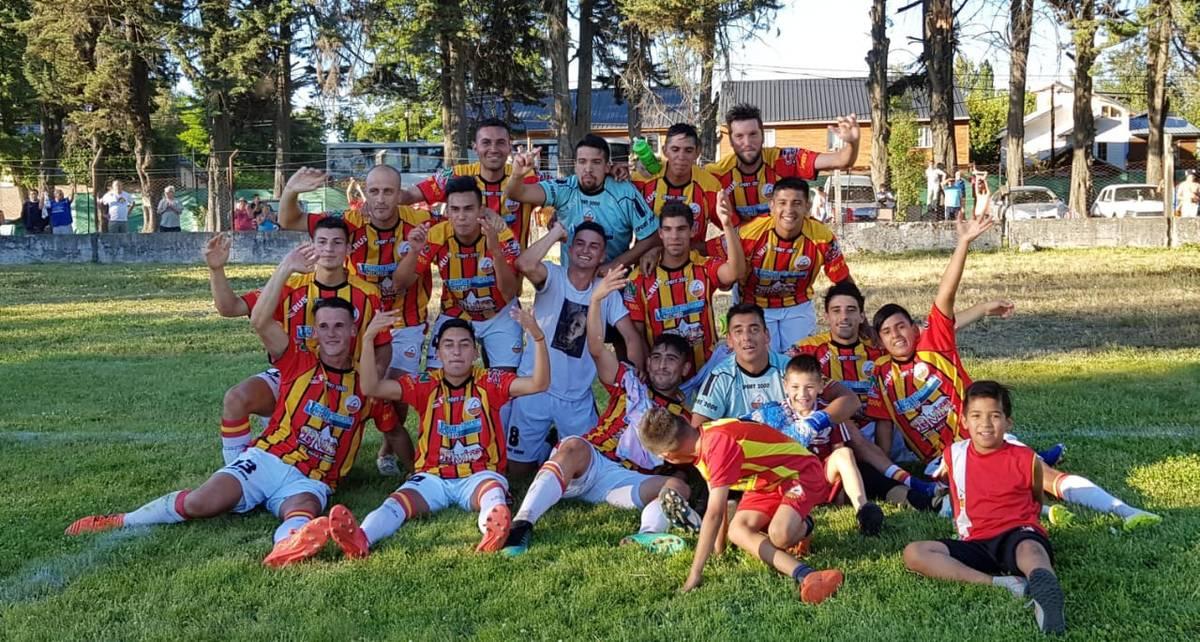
[41,578]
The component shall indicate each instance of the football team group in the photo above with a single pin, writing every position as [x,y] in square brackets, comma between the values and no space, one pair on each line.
[732,429]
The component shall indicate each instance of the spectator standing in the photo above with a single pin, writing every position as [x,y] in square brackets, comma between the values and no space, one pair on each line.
[31,215]
[119,203]
[169,211]
[934,175]
[953,193]
[266,219]
[1187,195]
[243,220]
[60,214]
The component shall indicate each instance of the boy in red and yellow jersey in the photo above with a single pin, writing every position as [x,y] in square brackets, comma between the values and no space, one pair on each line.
[680,180]
[461,453]
[782,481]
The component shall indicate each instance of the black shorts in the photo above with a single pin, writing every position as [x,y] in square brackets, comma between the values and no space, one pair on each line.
[877,486]
[997,555]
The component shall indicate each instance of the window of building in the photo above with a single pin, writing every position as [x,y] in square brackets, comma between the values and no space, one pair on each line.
[924,137]
[1102,151]
[768,138]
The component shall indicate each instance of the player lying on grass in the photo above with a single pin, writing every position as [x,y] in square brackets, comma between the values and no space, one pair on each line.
[461,456]
[310,442]
[996,492]
[782,481]
[608,464]
[919,384]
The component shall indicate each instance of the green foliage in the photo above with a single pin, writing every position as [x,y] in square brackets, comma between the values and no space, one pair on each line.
[988,108]
[906,163]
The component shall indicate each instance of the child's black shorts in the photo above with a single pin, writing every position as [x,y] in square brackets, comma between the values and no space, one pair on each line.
[998,555]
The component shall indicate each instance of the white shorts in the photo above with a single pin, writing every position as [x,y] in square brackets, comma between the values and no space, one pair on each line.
[532,416]
[501,338]
[606,482]
[406,348]
[271,376]
[441,493]
[265,479]
[791,324]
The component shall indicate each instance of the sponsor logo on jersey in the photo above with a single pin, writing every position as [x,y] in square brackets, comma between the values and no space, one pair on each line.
[696,288]
[486,264]
[914,401]
[313,408]
[353,403]
[462,285]
[473,407]
[678,311]
[803,261]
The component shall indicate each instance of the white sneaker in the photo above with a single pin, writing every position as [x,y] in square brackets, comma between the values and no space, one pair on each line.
[388,466]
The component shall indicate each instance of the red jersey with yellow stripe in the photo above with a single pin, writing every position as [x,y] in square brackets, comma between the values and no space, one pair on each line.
[782,271]
[469,286]
[460,430]
[607,433]
[374,253]
[849,365]
[515,214]
[302,291]
[751,193]
[699,194]
[750,456]
[923,396]
[678,301]
[318,419]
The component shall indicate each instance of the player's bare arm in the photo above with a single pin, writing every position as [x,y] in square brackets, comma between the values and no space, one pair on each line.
[216,256]
[530,261]
[841,402]
[968,231]
[405,273]
[540,380]
[368,371]
[306,179]
[516,189]
[635,345]
[995,308]
[631,256]
[734,269]
[506,279]
[301,260]
[606,362]
[846,129]
[714,519]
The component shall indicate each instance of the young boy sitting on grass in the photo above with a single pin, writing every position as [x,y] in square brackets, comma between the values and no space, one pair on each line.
[996,491]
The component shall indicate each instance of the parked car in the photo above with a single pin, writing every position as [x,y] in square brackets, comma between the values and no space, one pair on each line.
[1028,202]
[859,202]
[1132,199]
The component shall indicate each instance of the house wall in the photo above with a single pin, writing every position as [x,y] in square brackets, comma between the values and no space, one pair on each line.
[814,136]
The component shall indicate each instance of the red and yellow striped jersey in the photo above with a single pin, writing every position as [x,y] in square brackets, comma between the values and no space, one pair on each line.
[515,214]
[752,194]
[317,423]
[699,194]
[374,253]
[849,365]
[782,271]
[750,456]
[607,433]
[469,286]
[678,301]
[300,294]
[460,430]
[923,396]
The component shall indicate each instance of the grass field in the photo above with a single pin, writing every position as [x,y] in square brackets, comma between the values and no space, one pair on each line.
[112,381]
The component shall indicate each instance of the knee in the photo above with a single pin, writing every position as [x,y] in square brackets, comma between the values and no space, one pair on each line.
[912,555]
[236,400]
[198,504]
[843,457]
[573,451]
[678,485]
[783,536]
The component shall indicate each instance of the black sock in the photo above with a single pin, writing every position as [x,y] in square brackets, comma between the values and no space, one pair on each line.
[801,572]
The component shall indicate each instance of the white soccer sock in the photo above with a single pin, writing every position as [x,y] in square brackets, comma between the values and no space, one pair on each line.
[490,499]
[290,524]
[384,521]
[653,518]
[1080,490]
[545,491]
[167,509]
[235,437]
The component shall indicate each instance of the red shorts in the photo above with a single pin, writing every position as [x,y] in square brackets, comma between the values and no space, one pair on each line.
[799,498]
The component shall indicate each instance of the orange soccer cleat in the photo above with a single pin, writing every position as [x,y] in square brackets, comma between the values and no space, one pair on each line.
[345,532]
[499,521]
[302,544]
[802,548]
[819,586]
[96,524]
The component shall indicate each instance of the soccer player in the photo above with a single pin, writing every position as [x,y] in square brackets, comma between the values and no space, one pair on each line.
[561,305]
[677,297]
[310,442]
[475,253]
[609,464]
[996,493]
[752,172]
[681,180]
[782,481]
[460,446]
[329,278]
[589,195]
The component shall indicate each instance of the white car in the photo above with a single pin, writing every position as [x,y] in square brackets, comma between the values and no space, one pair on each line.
[1133,199]
[1028,202]
[859,202]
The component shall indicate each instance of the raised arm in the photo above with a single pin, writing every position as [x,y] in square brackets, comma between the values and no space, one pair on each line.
[506,278]
[843,158]
[540,380]
[606,362]
[530,261]
[994,308]
[216,255]
[368,371]
[306,179]
[302,259]
[734,268]
[516,189]
[967,231]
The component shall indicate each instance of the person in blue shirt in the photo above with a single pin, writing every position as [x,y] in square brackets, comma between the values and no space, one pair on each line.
[60,214]
[952,196]
[590,195]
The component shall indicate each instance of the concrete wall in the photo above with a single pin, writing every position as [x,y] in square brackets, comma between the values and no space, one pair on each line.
[170,247]
[1185,231]
[1076,233]
[893,238]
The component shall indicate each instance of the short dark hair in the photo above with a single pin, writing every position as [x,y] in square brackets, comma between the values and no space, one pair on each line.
[461,185]
[746,308]
[674,342]
[451,324]
[332,223]
[675,209]
[845,287]
[595,142]
[743,111]
[683,129]
[803,364]
[590,226]
[490,122]
[336,303]
[887,312]
[986,389]
[791,183]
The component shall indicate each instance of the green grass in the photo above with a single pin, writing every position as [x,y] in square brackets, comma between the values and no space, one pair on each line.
[113,378]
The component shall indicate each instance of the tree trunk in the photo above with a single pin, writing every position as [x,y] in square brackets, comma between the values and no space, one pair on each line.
[143,134]
[634,80]
[51,118]
[557,44]
[1156,89]
[708,107]
[283,98]
[939,65]
[877,84]
[1020,28]
[453,97]
[582,121]
[97,185]
[1084,132]
[220,188]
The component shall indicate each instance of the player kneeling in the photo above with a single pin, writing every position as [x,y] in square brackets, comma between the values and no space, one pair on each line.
[461,455]
[783,482]
[312,437]
[996,490]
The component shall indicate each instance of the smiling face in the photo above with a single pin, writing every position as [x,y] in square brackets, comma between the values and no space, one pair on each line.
[802,390]
[335,331]
[986,423]
[457,352]
[665,367]
[382,192]
[493,146]
[587,250]
[899,336]
[844,317]
[591,167]
[746,138]
[332,247]
[789,208]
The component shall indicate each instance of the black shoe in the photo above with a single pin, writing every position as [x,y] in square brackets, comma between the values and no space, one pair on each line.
[870,519]
[1047,598]
[676,508]
[520,535]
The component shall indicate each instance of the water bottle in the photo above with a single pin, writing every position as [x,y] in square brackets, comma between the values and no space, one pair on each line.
[645,154]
